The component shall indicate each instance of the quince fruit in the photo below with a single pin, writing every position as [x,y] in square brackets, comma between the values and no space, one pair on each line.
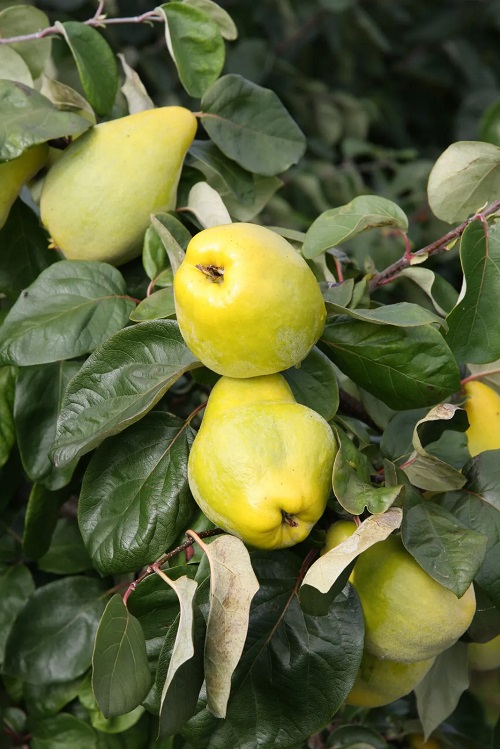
[13,175]
[97,198]
[483,410]
[247,303]
[484,656]
[417,741]
[261,464]
[380,682]
[408,616]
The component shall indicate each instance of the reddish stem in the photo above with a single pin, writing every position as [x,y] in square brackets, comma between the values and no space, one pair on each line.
[479,376]
[340,273]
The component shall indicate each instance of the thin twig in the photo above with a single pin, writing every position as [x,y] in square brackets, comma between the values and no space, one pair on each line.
[479,376]
[440,245]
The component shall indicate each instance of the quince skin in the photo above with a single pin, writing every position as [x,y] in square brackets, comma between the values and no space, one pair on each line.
[13,175]
[483,411]
[247,303]
[261,464]
[97,198]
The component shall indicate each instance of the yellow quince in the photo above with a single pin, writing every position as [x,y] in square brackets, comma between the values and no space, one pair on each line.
[13,175]
[484,656]
[483,411]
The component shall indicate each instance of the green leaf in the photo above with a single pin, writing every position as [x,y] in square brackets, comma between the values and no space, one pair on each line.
[402,314]
[44,700]
[477,506]
[426,470]
[490,124]
[251,126]
[396,443]
[441,293]
[13,67]
[118,384]
[174,250]
[7,427]
[463,179]
[41,517]
[404,367]
[207,205]
[120,678]
[337,294]
[68,311]
[157,306]
[133,89]
[285,646]
[136,488]
[39,394]
[264,187]
[341,224]
[440,689]
[29,118]
[96,64]
[67,99]
[221,17]
[59,647]
[16,587]
[195,43]
[63,731]
[235,179]
[356,737]
[66,554]
[473,335]
[314,384]
[443,547]
[25,19]
[25,252]
[232,587]
[154,256]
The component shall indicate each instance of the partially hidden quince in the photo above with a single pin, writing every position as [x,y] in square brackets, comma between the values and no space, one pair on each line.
[97,198]
[483,411]
[261,464]
[408,616]
[380,682]
[13,175]
[484,656]
[246,302]
[417,741]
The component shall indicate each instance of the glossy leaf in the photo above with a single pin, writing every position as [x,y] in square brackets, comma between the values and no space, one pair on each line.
[220,16]
[447,550]
[404,367]
[235,179]
[39,393]
[135,498]
[16,587]
[29,118]
[26,19]
[95,62]
[44,700]
[472,335]
[285,646]
[120,678]
[68,311]
[7,427]
[260,136]
[232,587]
[25,252]
[341,224]
[41,517]
[463,179]
[314,384]
[118,384]
[195,44]
[440,689]
[325,570]
[402,314]
[207,205]
[59,647]
[66,554]
[157,306]
[63,731]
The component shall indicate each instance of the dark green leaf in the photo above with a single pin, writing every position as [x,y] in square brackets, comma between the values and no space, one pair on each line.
[96,64]
[338,294]
[135,498]
[26,19]
[340,224]
[251,126]
[218,15]
[68,311]
[477,506]
[29,118]
[39,394]
[66,554]
[396,443]
[25,253]
[16,586]
[7,430]
[402,314]
[235,179]
[54,634]
[63,731]
[441,293]
[404,367]
[121,677]
[118,384]
[43,700]
[473,335]
[41,518]
[285,646]
[154,256]
[490,124]
[445,548]
[157,306]
[314,384]
[196,45]
[351,737]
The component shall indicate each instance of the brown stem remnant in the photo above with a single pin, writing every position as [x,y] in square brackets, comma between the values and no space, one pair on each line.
[214,272]
[289,519]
